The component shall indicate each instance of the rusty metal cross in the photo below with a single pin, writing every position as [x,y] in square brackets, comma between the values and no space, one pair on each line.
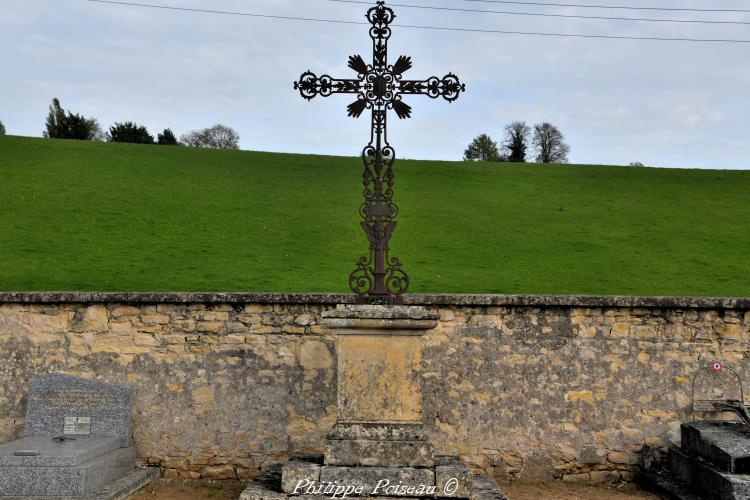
[379,86]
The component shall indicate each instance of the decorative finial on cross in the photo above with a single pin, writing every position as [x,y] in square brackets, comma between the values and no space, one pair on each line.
[379,86]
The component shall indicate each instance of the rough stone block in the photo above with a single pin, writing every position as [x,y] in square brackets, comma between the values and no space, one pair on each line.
[454,481]
[486,488]
[382,481]
[295,472]
[726,445]
[704,478]
[378,431]
[378,453]
[259,491]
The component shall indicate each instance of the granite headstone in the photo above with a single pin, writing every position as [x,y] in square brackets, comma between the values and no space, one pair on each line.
[61,405]
[77,443]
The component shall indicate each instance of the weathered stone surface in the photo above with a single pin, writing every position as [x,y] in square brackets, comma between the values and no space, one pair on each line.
[381,481]
[482,378]
[382,431]
[368,452]
[486,488]
[219,472]
[54,397]
[294,473]
[705,479]
[264,299]
[90,319]
[379,378]
[454,481]
[259,491]
[725,445]
[347,311]
[370,319]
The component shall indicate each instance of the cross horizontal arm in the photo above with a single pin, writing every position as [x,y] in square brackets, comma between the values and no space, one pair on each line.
[448,87]
[311,85]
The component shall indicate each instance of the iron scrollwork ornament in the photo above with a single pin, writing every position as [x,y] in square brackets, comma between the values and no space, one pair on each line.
[379,87]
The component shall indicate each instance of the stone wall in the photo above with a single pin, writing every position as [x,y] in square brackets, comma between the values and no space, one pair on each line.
[227,385]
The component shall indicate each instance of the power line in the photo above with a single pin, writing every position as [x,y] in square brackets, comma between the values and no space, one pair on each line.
[539,14]
[589,6]
[440,28]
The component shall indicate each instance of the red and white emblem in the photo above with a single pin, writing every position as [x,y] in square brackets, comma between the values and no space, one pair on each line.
[716,366]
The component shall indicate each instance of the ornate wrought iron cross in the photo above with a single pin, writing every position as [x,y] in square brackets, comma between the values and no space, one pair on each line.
[379,87]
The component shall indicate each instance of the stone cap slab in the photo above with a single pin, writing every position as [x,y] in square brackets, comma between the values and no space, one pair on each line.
[358,318]
[59,404]
[448,299]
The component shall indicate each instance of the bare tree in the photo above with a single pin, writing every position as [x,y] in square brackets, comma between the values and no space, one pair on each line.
[217,137]
[550,144]
[516,141]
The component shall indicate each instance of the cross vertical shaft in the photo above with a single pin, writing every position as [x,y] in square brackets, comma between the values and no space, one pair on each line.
[379,277]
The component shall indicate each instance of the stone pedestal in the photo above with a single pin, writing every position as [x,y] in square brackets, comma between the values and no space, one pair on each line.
[379,418]
[378,447]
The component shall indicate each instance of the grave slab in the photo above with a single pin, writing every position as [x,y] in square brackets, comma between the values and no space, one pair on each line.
[76,444]
[725,445]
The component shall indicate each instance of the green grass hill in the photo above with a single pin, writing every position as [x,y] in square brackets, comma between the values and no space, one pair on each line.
[119,217]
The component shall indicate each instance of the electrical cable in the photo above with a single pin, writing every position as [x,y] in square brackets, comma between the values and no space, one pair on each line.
[539,14]
[591,6]
[440,28]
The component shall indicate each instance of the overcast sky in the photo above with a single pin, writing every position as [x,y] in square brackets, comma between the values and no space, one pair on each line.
[669,104]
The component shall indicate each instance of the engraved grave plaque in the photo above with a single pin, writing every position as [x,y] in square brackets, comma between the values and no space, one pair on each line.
[64,405]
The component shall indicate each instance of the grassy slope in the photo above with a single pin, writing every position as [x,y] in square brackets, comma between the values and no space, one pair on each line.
[86,216]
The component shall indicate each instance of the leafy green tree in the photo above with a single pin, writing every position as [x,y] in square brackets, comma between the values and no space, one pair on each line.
[56,125]
[2,129]
[167,138]
[482,148]
[60,125]
[550,144]
[516,141]
[85,129]
[217,137]
[129,132]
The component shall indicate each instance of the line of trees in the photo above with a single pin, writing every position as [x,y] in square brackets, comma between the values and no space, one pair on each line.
[2,129]
[545,140]
[66,125]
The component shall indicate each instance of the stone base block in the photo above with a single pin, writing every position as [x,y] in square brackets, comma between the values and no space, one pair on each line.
[382,481]
[378,483]
[704,478]
[453,480]
[378,453]
[78,480]
[726,445]
[378,431]
[296,475]
[486,488]
[378,445]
